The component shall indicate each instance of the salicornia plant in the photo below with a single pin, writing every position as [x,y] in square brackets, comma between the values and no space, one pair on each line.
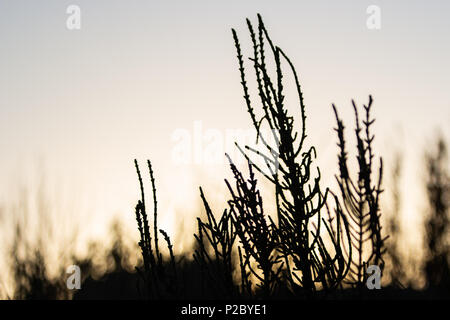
[312,239]
[360,198]
[300,201]
[160,277]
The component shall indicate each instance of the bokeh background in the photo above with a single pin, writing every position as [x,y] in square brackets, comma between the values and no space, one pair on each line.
[78,106]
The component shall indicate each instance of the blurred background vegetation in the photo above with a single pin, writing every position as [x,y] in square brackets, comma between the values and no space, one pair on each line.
[37,247]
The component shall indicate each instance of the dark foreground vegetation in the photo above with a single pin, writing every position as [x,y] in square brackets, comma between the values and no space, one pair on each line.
[314,243]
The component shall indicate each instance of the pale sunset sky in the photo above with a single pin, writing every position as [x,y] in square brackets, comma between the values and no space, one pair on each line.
[78,106]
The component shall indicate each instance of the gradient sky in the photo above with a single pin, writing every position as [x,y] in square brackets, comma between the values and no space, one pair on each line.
[76,107]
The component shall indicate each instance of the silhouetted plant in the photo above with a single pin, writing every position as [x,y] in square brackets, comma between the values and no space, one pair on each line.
[299,199]
[310,245]
[161,279]
[437,270]
[214,252]
[360,198]
[258,237]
